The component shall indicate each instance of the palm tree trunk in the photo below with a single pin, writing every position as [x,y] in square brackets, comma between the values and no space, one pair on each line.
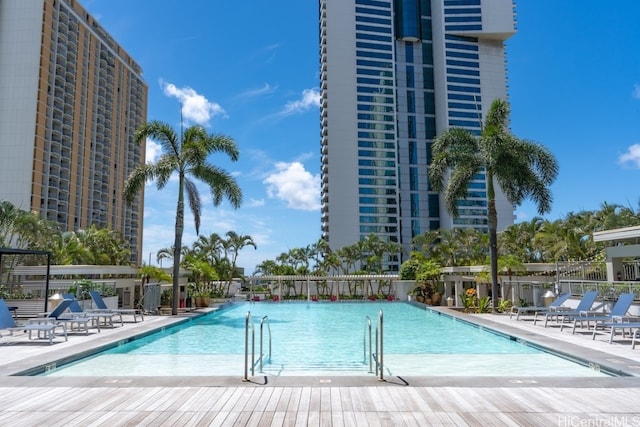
[492,219]
[177,247]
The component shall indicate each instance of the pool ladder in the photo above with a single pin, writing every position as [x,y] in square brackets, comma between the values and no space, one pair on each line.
[378,356]
[248,323]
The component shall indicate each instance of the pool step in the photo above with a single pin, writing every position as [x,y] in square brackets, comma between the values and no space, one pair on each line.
[315,368]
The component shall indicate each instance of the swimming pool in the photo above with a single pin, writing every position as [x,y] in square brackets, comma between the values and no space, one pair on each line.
[326,339]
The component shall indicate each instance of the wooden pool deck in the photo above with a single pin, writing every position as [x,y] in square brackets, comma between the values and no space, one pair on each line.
[320,401]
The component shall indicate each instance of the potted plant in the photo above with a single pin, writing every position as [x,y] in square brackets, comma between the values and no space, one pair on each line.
[427,276]
[166,298]
[425,272]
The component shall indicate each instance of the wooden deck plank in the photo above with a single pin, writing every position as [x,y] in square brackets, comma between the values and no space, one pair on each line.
[302,419]
[206,418]
[173,418]
[220,418]
[237,418]
[260,399]
[334,406]
[266,420]
[141,399]
[279,419]
[313,419]
[315,399]
[304,402]
[290,418]
[373,418]
[361,418]
[195,400]
[228,399]
[209,399]
[353,400]
[284,399]
[272,403]
[143,418]
[293,404]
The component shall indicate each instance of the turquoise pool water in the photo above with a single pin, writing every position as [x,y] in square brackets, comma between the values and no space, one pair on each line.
[326,338]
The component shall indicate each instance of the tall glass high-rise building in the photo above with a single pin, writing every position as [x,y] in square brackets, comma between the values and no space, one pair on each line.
[394,74]
[71,99]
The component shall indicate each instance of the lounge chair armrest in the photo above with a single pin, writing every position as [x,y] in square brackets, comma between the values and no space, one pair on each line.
[625,319]
[591,313]
[39,320]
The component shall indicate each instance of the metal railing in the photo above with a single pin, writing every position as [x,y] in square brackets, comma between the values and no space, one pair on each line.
[367,328]
[380,346]
[264,320]
[250,324]
[605,289]
[246,346]
[379,354]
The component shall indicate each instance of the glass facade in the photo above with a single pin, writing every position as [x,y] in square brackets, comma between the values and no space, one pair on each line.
[403,99]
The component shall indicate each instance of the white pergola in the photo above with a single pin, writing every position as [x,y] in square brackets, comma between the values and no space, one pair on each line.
[626,244]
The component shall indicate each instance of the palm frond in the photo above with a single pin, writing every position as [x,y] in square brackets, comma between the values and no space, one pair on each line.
[161,133]
[221,183]
[136,181]
[195,204]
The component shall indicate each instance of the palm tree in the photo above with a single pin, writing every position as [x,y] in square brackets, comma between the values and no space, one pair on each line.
[523,169]
[186,156]
[235,242]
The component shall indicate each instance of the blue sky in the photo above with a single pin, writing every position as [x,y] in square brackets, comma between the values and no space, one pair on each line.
[250,71]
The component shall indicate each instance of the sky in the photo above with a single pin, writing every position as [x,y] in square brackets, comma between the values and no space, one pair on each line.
[251,71]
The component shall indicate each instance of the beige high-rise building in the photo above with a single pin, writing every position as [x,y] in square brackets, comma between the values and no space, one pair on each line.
[71,99]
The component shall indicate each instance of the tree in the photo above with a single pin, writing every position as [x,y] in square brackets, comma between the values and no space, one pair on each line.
[234,243]
[186,156]
[523,169]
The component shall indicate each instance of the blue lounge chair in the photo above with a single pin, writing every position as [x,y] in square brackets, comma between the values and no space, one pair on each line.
[619,309]
[584,305]
[96,317]
[554,306]
[102,306]
[632,326]
[45,330]
[62,313]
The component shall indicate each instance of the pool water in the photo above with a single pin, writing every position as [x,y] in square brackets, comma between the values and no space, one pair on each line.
[326,338]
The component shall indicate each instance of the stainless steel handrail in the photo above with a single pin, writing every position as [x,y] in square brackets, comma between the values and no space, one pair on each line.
[367,325]
[262,322]
[246,346]
[380,345]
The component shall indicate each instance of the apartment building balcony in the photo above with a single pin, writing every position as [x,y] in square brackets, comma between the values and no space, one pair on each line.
[66,130]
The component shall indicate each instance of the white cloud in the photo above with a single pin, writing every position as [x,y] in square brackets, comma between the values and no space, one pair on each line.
[255,203]
[153,151]
[296,186]
[310,99]
[632,156]
[264,90]
[636,91]
[195,107]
